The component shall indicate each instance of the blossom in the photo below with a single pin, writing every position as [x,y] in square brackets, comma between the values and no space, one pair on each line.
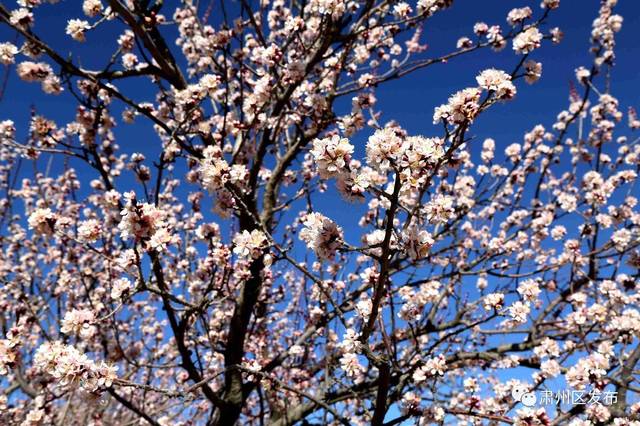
[160,239]
[480,28]
[550,368]
[296,350]
[364,307]
[533,71]
[129,60]
[90,230]
[106,374]
[582,74]
[350,363]
[550,4]
[417,242]
[410,402]
[495,37]
[621,238]
[519,311]
[529,290]
[353,185]
[333,8]
[383,148]
[76,29]
[528,417]
[69,367]
[586,370]
[145,223]
[209,83]
[249,244]
[513,151]
[433,367]
[79,322]
[626,322]
[488,150]
[439,209]
[321,235]
[567,202]
[112,197]
[119,288]
[21,17]
[527,41]
[462,106]
[498,82]
[547,348]
[332,155]
[34,71]
[558,232]
[418,151]
[597,189]
[7,53]
[518,15]
[42,221]
[92,8]
[7,356]
[432,6]
[493,301]
[402,10]
[214,169]
[350,341]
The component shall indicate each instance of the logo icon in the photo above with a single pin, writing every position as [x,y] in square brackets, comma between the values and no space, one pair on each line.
[521,394]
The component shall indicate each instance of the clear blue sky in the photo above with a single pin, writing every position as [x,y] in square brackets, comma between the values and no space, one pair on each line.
[410,100]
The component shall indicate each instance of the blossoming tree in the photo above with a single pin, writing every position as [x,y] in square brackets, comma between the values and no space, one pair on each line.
[206,282]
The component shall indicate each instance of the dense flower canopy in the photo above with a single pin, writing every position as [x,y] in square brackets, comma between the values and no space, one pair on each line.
[207,279]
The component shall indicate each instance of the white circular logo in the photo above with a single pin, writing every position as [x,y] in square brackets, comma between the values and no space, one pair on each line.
[521,394]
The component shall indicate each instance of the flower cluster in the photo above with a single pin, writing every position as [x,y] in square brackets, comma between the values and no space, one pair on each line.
[497,81]
[332,155]
[386,148]
[214,169]
[145,223]
[322,235]
[527,41]
[92,8]
[90,230]
[519,312]
[249,244]
[417,242]
[120,288]
[76,28]
[533,71]
[493,301]
[415,302]
[462,107]
[215,173]
[8,355]
[73,369]
[588,370]
[519,15]
[8,51]
[79,322]
[42,221]
[433,367]
[439,209]
[350,347]
[40,72]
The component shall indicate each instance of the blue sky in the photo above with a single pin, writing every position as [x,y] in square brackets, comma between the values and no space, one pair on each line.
[410,100]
